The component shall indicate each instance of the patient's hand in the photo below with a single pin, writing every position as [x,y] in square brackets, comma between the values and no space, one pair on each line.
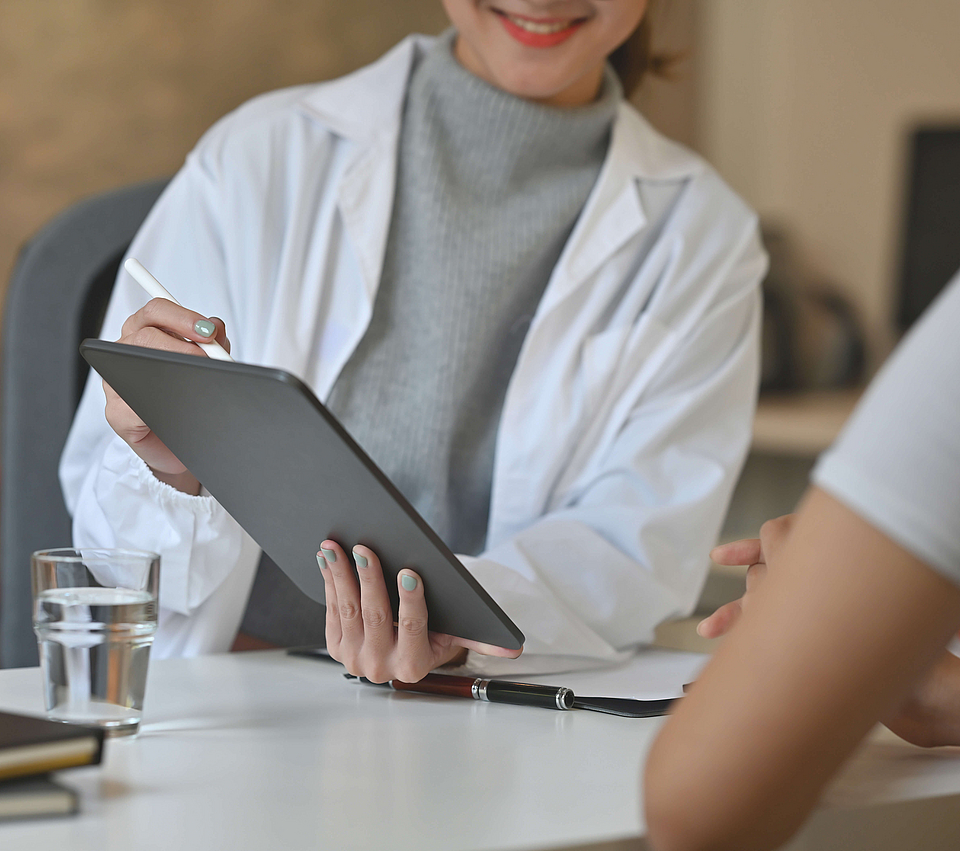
[754,552]
[929,716]
[360,630]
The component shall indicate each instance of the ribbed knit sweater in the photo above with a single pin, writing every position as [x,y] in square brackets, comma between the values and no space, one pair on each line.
[489,187]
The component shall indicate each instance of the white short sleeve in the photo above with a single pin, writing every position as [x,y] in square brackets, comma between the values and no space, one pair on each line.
[897,462]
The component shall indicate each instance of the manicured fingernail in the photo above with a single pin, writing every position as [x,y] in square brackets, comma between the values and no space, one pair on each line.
[320,562]
[408,582]
[204,327]
[329,555]
[361,560]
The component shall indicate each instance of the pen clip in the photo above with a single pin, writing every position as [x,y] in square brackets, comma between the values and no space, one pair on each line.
[624,706]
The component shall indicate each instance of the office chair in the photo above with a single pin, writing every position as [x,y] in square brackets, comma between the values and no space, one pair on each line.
[57,296]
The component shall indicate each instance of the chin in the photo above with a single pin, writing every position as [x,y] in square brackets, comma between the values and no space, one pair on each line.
[532,84]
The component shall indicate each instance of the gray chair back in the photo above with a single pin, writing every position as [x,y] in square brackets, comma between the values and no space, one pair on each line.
[57,296]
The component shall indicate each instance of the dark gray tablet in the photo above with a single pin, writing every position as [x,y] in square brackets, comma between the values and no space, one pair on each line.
[289,474]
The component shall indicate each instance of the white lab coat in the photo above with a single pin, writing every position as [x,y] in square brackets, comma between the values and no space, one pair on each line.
[625,422]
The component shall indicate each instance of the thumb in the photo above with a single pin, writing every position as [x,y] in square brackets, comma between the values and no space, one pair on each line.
[488,649]
[721,621]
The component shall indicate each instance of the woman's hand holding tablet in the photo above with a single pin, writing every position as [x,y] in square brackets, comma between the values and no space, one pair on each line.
[360,631]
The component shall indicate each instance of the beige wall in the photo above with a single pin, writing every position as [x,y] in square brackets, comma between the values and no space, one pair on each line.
[671,102]
[804,107]
[98,93]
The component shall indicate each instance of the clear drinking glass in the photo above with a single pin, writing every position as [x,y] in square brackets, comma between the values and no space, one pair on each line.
[95,615]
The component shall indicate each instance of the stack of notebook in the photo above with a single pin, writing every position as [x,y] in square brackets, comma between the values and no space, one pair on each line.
[31,748]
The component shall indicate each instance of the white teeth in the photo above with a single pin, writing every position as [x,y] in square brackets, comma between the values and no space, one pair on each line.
[538,28]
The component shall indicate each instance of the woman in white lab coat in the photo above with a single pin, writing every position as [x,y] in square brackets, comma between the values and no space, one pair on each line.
[626,414]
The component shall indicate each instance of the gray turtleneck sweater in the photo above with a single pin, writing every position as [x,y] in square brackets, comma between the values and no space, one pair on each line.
[489,187]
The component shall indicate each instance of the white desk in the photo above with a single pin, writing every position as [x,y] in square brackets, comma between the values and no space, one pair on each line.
[263,751]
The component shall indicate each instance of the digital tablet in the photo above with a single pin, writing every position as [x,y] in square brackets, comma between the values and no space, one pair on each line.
[273,456]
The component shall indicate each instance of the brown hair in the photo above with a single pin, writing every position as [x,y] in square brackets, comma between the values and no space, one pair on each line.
[635,58]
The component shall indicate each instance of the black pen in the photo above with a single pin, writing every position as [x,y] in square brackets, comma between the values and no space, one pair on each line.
[527,694]
[493,691]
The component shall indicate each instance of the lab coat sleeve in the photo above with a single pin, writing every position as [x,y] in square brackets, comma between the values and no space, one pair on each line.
[627,546]
[114,499]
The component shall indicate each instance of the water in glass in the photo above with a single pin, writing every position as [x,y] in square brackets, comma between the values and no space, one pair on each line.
[94,648]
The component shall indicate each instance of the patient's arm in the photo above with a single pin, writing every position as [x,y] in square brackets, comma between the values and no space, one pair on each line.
[930,714]
[837,636]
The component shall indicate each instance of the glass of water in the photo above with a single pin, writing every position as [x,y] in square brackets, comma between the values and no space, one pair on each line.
[95,615]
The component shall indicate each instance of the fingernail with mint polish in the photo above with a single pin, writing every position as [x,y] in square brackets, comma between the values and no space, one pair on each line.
[320,562]
[204,327]
[408,582]
[329,555]
[361,560]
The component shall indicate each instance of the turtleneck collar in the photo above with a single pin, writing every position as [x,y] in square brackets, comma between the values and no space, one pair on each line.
[506,136]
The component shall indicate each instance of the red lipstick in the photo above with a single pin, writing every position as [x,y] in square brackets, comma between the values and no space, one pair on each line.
[539,39]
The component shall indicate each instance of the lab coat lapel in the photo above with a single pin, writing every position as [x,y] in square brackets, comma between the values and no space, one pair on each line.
[612,219]
[612,215]
[614,212]
[365,201]
[365,109]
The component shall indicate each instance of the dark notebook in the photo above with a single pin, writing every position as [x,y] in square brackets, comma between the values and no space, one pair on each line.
[30,745]
[31,797]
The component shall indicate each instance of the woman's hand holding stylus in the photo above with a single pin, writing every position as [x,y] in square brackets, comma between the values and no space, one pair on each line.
[360,629]
[161,324]
[929,717]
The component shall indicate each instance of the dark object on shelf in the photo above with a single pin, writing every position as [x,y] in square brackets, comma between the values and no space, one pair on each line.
[930,246]
[811,336]
[830,344]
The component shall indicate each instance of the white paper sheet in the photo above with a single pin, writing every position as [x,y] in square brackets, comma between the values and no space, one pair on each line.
[652,674]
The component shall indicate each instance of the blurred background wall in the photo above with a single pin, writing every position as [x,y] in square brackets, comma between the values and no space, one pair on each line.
[98,93]
[805,107]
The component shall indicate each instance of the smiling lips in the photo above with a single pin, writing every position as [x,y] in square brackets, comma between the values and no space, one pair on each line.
[543,32]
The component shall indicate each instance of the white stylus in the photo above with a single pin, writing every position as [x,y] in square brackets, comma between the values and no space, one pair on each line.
[156,290]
